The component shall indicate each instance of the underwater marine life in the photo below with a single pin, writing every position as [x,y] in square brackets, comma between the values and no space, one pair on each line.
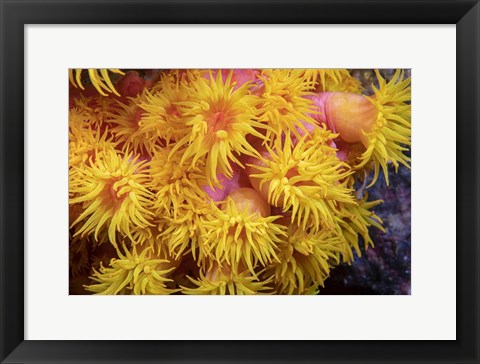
[113,195]
[143,273]
[381,123]
[100,79]
[238,182]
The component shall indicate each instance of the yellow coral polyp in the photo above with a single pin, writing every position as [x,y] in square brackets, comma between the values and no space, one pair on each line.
[96,111]
[354,221]
[174,183]
[181,230]
[99,77]
[181,77]
[220,119]
[113,193]
[284,108]
[390,136]
[306,258]
[133,273]
[147,237]
[127,124]
[307,178]
[86,142]
[86,147]
[227,281]
[332,80]
[163,116]
[235,236]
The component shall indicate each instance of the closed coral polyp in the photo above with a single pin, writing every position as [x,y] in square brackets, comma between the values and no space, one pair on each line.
[351,115]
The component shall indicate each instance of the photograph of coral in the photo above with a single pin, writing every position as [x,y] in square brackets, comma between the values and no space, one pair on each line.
[239,181]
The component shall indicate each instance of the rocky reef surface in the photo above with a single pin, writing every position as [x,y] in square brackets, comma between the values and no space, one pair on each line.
[386,268]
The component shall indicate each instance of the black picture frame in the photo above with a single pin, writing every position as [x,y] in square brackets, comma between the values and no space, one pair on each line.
[15,14]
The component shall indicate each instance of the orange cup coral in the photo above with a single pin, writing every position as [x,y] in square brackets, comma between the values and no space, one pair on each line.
[226,181]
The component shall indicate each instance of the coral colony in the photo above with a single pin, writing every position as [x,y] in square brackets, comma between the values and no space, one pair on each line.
[226,181]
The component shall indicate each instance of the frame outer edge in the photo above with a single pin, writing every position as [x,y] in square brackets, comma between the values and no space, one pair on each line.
[12,298]
[12,178]
[468,190]
[3,331]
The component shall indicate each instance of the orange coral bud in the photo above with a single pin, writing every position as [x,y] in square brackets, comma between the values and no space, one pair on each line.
[130,85]
[351,115]
[247,199]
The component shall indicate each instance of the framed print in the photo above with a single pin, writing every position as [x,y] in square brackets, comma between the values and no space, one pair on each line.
[195,210]
[170,151]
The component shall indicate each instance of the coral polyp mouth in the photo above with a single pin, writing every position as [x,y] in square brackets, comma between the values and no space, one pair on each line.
[218,121]
[113,193]
[136,117]
[228,181]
